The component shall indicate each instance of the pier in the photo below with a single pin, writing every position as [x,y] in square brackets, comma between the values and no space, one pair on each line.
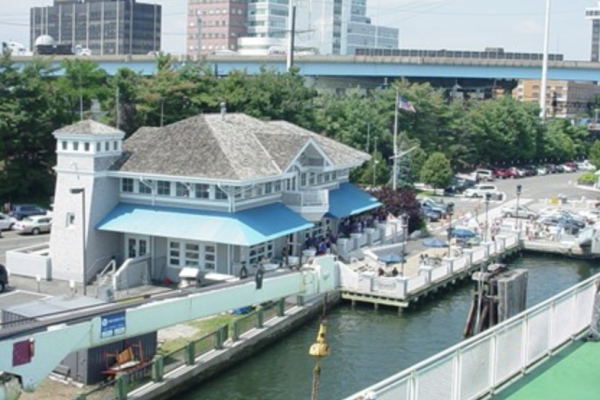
[359,280]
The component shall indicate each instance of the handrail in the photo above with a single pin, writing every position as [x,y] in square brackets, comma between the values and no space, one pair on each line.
[483,337]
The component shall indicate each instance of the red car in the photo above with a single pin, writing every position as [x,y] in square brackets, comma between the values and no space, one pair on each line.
[505,173]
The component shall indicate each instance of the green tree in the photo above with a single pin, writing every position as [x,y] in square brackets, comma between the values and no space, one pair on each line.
[437,171]
[594,154]
[558,144]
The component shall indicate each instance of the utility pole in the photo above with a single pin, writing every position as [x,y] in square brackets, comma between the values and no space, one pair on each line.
[395,161]
[291,39]
[368,136]
[544,82]
[117,102]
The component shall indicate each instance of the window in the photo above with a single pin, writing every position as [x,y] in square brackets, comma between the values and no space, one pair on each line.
[260,251]
[115,146]
[106,146]
[75,146]
[98,147]
[145,187]
[127,185]
[277,187]
[220,194]
[86,146]
[202,191]
[174,253]
[268,188]
[64,145]
[164,188]
[181,190]
[192,254]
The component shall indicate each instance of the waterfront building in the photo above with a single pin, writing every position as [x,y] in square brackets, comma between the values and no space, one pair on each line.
[564,99]
[219,193]
[262,26]
[593,14]
[106,27]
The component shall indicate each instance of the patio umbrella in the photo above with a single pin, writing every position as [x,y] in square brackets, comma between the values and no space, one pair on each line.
[391,258]
[434,242]
[462,233]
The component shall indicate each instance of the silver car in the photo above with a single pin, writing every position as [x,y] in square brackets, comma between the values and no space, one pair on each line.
[6,222]
[35,224]
[520,212]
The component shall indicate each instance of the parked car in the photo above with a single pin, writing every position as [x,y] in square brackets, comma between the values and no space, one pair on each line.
[20,211]
[433,205]
[484,175]
[519,172]
[542,170]
[459,185]
[480,190]
[585,166]
[530,170]
[551,168]
[591,216]
[504,173]
[4,275]
[35,224]
[566,167]
[519,212]
[430,214]
[569,225]
[6,222]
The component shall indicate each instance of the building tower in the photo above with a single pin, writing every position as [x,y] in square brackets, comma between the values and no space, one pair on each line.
[84,193]
[106,27]
[593,14]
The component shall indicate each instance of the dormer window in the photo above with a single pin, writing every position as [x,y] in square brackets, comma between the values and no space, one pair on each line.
[127,185]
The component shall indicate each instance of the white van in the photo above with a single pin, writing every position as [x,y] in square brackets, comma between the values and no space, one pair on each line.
[484,175]
[481,189]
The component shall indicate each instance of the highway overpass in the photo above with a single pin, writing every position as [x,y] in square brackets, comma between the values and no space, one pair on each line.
[369,66]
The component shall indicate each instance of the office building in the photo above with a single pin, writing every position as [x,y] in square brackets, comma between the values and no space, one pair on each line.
[261,27]
[593,14]
[106,27]
[564,99]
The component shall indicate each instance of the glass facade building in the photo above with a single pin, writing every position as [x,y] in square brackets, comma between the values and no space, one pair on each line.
[106,27]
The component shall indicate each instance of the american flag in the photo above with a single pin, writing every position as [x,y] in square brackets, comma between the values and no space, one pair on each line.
[405,105]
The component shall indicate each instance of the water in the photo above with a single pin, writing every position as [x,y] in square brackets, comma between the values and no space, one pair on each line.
[368,346]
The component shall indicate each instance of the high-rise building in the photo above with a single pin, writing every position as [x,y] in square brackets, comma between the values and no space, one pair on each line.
[106,27]
[323,26]
[593,14]
[215,25]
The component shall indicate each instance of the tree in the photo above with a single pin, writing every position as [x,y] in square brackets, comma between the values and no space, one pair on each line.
[594,154]
[437,171]
[396,203]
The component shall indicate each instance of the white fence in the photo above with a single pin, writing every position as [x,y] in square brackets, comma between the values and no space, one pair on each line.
[368,282]
[478,366]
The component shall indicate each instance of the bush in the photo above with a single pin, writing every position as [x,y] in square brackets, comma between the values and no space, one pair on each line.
[589,178]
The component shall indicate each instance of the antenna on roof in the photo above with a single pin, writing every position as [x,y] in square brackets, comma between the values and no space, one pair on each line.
[223,109]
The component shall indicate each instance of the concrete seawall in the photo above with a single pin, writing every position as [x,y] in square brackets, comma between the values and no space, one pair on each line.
[190,377]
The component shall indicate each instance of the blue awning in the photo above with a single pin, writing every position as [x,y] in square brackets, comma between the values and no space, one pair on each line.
[243,228]
[350,200]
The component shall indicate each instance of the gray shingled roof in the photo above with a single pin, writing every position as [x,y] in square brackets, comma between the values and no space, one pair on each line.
[237,147]
[339,153]
[88,127]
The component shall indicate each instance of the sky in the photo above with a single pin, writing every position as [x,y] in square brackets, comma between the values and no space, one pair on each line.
[515,25]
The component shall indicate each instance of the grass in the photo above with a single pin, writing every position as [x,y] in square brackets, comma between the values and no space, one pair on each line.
[203,327]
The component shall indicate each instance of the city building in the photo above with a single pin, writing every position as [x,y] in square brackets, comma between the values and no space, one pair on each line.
[593,14]
[262,26]
[106,27]
[217,192]
[564,99]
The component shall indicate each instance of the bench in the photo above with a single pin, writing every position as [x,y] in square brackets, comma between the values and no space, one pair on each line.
[124,360]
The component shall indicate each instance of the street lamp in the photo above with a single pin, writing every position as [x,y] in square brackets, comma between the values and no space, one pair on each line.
[80,190]
[405,218]
[375,162]
[519,187]
[487,226]
[450,212]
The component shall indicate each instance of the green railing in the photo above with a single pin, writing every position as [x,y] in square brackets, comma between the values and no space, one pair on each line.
[154,371]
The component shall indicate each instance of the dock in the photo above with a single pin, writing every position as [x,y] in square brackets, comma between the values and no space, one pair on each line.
[361,283]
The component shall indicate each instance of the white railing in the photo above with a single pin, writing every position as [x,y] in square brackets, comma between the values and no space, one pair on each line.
[476,367]
[426,277]
[306,198]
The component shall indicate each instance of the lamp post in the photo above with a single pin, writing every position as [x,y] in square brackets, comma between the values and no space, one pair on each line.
[405,218]
[375,162]
[487,226]
[519,187]
[450,213]
[81,191]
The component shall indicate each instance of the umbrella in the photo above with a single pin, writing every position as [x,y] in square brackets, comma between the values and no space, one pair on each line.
[391,258]
[462,233]
[434,242]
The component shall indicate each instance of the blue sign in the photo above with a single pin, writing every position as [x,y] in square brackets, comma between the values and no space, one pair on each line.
[112,325]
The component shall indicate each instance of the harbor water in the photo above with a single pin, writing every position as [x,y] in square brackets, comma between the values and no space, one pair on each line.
[368,346]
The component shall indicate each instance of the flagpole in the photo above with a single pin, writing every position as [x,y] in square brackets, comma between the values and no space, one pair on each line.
[395,164]
[545,63]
